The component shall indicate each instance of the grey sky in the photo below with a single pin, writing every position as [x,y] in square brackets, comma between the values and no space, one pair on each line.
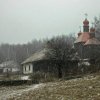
[23,20]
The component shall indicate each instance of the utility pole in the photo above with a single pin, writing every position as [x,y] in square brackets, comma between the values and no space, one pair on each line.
[27,52]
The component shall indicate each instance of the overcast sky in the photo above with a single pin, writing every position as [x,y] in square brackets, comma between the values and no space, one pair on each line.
[24,20]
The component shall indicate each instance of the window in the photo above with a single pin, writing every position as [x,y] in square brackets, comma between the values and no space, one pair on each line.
[25,68]
[29,67]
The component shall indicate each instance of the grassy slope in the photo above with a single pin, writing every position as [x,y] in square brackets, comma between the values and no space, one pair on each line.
[87,88]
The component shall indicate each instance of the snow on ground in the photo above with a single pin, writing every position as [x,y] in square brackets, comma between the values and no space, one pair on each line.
[86,88]
[25,78]
[13,91]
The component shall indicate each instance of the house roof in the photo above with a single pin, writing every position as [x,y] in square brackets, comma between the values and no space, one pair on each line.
[83,37]
[36,57]
[92,41]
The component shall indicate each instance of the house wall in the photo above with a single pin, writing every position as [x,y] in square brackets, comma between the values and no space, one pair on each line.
[42,66]
[5,70]
[79,47]
[91,51]
[28,68]
[87,51]
[15,69]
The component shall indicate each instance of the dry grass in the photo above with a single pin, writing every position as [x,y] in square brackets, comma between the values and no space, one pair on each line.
[87,88]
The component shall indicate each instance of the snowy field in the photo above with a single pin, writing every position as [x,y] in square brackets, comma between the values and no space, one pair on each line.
[13,91]
[86,88]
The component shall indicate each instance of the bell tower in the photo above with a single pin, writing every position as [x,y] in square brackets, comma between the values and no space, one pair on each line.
[86,24]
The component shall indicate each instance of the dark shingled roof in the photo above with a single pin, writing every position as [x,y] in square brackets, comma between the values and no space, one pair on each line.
[36,57]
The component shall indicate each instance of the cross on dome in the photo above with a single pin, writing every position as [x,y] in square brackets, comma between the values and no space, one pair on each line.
[86,22]
[86,15]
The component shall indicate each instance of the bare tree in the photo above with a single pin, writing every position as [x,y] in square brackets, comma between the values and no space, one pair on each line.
[60,49]
[97,26]
[19,52]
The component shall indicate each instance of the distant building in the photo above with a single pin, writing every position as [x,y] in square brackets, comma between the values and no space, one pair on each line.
[86,44]
[9,67]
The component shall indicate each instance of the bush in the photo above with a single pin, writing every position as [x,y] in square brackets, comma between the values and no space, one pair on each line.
[42,77]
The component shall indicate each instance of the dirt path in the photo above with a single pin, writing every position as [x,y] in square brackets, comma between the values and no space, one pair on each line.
[6,92]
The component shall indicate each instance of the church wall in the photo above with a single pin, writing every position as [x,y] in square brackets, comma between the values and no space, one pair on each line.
[91,51]
[79,48]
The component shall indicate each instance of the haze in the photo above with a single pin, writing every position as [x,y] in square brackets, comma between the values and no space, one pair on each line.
[24,20]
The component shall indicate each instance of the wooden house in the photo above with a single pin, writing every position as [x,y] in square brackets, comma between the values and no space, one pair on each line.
[40,62]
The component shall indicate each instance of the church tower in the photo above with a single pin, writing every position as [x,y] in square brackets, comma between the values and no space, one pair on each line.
[86,25]
[92,32]
[86,44]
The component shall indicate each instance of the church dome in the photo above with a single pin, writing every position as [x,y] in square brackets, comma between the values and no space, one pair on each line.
[86,22]
[92,29]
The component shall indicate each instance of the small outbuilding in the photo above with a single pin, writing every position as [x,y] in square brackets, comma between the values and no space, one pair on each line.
[9,67]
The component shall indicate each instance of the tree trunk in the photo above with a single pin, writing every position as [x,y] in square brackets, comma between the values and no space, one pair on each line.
[59,71]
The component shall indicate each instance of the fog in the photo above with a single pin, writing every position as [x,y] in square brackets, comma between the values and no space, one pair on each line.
[24,20]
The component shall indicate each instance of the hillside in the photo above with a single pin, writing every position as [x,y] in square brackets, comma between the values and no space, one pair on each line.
[86,88]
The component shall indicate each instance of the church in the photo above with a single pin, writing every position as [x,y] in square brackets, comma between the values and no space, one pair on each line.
[86,44]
